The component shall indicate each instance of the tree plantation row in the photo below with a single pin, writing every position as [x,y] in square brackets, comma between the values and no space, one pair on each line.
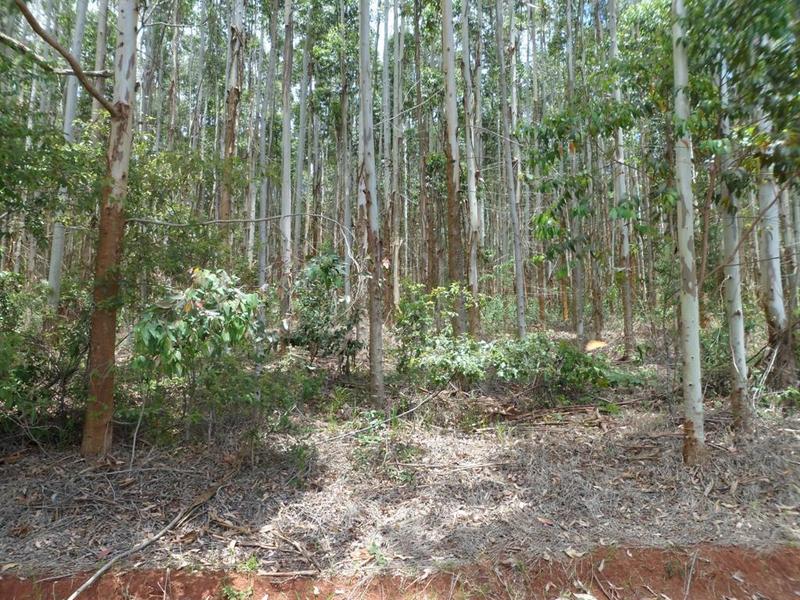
[203,184]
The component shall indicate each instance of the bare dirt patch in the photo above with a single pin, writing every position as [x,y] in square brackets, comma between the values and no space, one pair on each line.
[700,573]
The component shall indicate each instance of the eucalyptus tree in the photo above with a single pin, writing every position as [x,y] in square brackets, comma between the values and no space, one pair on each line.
[620,191]
[369,211]
[693,427]
[513,210]
[472,170]
[455,249]
[265,143]
[58,239]
[286,162]
[300,159]
[397,135]
[233,91]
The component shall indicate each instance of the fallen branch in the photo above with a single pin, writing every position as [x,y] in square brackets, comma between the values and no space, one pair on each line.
[181,517]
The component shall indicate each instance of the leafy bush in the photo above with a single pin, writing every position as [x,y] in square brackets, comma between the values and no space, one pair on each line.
[201,339]
[413,324]
[40,356]
[204,321]
[325,322]
[557,368]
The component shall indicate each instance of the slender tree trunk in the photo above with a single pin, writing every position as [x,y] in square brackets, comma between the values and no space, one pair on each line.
[784,371]
[97,430]
[621,197]
[576,219]
[100,52]
[370,209]
[519,271]
[300,159]
[426,210]
[472,182]
[286,180]
[70,109]
[265,144]
[740,405]
[455,249]
[233,91]
[397,133]
[173,82]
[693,431]
[386,115]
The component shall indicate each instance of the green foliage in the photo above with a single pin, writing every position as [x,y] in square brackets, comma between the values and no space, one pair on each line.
[558,369]
[229,592]
[40,356]
[325,322]
[204,321]
[201,341]
[413,323]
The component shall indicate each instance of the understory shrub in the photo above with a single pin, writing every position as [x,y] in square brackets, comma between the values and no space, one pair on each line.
[202,343]
[42,355]
[326,323]
[558,369]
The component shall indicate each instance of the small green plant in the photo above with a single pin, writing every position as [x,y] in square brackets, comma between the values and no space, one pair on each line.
[198,339]
[377,554]
[251,565]
[229,592]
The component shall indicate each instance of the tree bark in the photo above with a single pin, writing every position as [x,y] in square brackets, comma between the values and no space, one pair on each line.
[455,248]
[784,369]
[519,271]
[621,197]
[70,110]
[233,91]
[397,134]
[300,159]
[740,405]
[693,432]
[472,175]
[370,209]
[426,210]
[97,430]
[286,179]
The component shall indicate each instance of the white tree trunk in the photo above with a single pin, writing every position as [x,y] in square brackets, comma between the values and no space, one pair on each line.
[784,369]
[100,51]
[286,179]
[397,132]
[472,181]
[621,195]
[694,434]
[740,404]
[370,212]
[519,272]
[265,144]
[301,151]
[70,109]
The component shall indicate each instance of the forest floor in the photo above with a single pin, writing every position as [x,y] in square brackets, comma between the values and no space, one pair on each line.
[544,504]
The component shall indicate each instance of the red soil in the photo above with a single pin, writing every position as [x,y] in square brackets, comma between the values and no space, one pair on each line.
[611,573]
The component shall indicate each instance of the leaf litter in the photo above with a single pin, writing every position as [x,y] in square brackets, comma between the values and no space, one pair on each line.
[410,499]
